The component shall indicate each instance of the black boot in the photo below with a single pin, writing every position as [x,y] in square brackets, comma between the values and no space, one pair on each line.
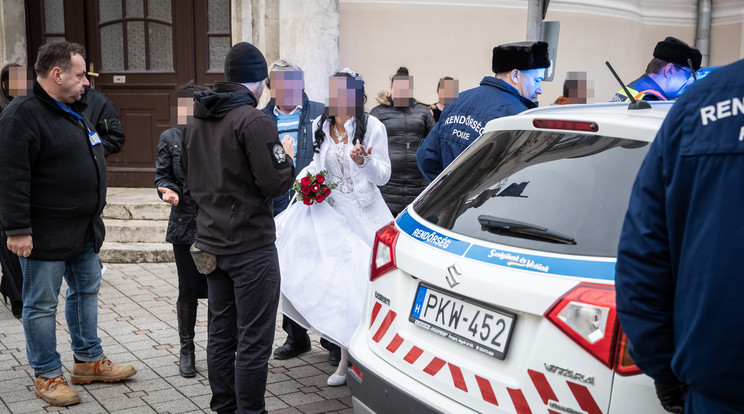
[186,312]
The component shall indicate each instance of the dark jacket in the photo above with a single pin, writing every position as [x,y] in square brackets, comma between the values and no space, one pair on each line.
[679,266]
[52,179]
[643,88]
[406,129]
[102,113]
[233,165]
[463,121]
[310,111]
[182,221]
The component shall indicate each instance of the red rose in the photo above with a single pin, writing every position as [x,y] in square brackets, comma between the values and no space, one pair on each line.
[314,188]
[305,181]
[320,178]
[305,190]
[326,191]
[307,201]
[319,198]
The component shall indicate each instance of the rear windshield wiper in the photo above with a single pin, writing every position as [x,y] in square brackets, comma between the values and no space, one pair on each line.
[508,227]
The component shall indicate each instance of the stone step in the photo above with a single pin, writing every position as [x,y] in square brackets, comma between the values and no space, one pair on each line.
[135,231]
[115,252]
[135,204]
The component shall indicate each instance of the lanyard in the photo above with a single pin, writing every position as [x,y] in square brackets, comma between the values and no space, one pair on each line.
[70,111]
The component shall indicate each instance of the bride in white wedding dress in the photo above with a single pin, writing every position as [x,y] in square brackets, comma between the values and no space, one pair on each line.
[324,249]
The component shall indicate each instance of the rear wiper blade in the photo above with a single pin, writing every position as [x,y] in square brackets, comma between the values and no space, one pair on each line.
[508,227]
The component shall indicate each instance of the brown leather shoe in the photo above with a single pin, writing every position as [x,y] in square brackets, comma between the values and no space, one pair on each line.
[103,370]
[55,391]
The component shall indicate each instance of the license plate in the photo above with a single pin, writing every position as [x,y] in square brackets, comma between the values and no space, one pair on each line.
[483,328]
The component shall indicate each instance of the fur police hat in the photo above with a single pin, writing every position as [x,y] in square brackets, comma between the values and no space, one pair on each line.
[244,63]
[521,56]
[676,51]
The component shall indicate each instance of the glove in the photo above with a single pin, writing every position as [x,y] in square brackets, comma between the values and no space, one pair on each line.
[671,395]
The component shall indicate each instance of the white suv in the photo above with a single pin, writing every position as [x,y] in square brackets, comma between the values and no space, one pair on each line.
[494,291]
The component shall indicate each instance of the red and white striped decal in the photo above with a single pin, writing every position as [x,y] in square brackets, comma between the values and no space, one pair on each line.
[472,384]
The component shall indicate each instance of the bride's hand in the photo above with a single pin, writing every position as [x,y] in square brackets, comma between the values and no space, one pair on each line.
[358,153]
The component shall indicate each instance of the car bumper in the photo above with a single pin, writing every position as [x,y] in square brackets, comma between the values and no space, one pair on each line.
[372,395]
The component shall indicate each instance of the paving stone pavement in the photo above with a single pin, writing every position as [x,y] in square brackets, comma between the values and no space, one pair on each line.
[137,324]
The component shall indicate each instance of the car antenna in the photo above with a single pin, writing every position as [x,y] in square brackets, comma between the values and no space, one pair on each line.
[634,103]
[694,75]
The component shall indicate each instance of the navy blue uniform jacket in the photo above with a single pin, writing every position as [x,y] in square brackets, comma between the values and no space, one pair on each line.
[680,264]
[463,121]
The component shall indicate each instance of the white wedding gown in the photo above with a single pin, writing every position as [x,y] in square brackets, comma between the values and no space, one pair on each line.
[324,250]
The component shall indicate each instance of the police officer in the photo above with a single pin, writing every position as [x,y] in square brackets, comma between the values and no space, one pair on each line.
[679,270]
[519,72]
[666,74]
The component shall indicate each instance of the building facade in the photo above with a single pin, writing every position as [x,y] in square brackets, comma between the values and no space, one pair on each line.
[140,50]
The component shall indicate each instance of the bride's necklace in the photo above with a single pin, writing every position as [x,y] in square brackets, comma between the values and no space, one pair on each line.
[339,137]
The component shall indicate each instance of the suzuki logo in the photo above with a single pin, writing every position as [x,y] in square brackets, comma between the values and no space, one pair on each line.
[454,271]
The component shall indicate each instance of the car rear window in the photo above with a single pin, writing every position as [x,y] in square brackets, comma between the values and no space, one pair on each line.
[549,191]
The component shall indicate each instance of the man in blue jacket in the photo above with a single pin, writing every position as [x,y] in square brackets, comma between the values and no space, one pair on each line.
[666,74]
[294,113]
[519,72]
[679,267]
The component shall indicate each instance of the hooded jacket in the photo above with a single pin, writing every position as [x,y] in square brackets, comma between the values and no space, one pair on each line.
[406,129]
[232,166]
[463,121]
[52,176]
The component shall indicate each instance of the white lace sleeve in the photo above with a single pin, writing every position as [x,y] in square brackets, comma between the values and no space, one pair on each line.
[376,167]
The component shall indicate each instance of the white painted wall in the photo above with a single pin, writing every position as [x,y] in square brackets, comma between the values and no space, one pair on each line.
[435,38]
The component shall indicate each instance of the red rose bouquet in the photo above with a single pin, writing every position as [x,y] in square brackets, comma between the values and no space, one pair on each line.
[312,189]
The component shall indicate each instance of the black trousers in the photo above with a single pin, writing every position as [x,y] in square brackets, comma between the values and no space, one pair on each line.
[243,300]
[11,285]
[192,285]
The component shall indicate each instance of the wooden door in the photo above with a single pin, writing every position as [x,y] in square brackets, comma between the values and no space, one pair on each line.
[141,50]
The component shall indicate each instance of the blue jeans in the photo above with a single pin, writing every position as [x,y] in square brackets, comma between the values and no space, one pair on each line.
[41,284]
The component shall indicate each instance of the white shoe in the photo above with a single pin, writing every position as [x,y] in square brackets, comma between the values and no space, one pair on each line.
[336,380]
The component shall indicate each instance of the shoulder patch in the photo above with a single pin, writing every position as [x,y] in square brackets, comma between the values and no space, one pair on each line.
[277,154]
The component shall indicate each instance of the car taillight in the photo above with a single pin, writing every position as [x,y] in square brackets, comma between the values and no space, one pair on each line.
[625,365]
[383,251]
[564,124]
[587,315]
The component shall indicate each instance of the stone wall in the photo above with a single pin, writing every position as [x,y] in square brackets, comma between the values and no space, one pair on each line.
[12,32]
[304,32]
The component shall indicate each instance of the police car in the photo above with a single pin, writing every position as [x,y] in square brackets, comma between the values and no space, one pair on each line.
[494,291]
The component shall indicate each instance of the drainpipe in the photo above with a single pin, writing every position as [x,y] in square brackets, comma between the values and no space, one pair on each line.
[536,10]
[702,40]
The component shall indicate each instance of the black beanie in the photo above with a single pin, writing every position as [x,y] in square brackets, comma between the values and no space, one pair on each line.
[676,51]
[244,63]
[520,56]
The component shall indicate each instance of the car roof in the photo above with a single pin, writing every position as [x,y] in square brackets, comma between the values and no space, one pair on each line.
[613,119]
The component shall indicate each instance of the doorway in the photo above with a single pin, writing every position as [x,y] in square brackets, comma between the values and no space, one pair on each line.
[140,51]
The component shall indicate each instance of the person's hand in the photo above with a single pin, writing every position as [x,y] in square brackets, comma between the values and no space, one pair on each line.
[358,153]
[21,245]
[288,144]
[169,196]
[671,395]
